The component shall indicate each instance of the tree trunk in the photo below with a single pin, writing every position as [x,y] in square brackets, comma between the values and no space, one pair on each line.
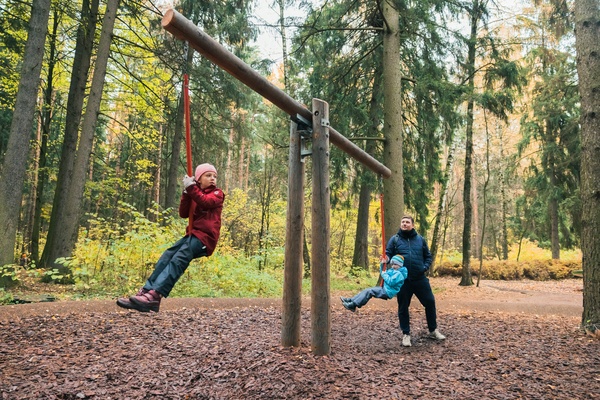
[476,233]
[554,239]
[229,171]
[306,255]
[283,32]
[553,200]
[441,205]
[15,162]
[242,162]
[393,188]
[33,182]
[156,183]
[79,74]
[504,217]
[265,192]
[361,239]
[485,187]
[47,114]
[466,279]
[587,27]
[65,243]
[171,195]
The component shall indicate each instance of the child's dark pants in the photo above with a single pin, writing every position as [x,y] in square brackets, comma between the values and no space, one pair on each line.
[173,263]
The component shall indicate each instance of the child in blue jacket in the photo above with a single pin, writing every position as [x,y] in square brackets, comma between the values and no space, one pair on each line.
[393,278]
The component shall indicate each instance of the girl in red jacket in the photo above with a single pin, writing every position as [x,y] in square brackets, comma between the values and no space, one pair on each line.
[201,236]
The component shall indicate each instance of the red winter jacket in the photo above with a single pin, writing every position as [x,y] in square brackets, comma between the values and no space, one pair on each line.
[208,204]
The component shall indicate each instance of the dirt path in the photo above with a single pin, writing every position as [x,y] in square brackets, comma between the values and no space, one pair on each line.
[562,298]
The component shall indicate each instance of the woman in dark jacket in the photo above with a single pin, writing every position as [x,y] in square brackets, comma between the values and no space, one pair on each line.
[417,260]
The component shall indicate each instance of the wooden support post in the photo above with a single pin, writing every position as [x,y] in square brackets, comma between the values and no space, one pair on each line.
[185,29]
[321,208]
[294,234]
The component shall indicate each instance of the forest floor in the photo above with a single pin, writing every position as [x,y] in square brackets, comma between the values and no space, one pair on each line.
[505,340]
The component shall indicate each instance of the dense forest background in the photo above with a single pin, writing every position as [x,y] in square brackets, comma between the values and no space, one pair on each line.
[490,114]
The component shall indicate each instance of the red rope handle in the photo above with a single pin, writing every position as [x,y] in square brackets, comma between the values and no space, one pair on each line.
[382,225]
[188,136]
[188,140]
[383,255]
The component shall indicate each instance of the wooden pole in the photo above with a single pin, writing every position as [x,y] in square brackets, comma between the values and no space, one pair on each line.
[184,29]
[294,235]
[321,208]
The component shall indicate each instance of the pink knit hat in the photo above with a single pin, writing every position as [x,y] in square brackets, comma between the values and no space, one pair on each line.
[202,169]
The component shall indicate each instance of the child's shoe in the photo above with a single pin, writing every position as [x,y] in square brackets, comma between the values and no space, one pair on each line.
[149,301]
[124,302]
[349,305]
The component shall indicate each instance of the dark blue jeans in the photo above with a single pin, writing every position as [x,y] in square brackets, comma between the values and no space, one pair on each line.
[173,263]
[422,289]
[363,297]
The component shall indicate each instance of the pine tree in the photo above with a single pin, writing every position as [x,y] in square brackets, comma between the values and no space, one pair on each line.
[587,28]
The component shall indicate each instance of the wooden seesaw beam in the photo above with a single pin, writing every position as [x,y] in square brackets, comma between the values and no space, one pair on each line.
[184,29]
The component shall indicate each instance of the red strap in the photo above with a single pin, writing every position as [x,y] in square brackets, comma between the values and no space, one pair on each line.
[188,139]
[383,255]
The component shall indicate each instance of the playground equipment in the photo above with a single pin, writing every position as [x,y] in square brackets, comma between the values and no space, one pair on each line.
[305,126]
[188,139]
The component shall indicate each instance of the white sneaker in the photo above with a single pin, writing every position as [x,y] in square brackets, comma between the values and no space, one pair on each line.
[406,341]
[436,335]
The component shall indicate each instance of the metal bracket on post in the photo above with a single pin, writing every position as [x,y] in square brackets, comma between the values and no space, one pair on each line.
[305,131]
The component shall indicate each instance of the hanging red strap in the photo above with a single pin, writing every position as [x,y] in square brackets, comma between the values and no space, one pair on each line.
[188,140]
[383,255]
[188,137]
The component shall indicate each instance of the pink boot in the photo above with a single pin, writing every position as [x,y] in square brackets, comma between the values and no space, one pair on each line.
[125,303]
[149,301]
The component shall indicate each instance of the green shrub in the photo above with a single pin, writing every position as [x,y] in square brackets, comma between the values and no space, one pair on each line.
[5,297]
[114,258]
[9,275]
[227,276]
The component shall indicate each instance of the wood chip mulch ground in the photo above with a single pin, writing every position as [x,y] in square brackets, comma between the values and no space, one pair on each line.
[235,353]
